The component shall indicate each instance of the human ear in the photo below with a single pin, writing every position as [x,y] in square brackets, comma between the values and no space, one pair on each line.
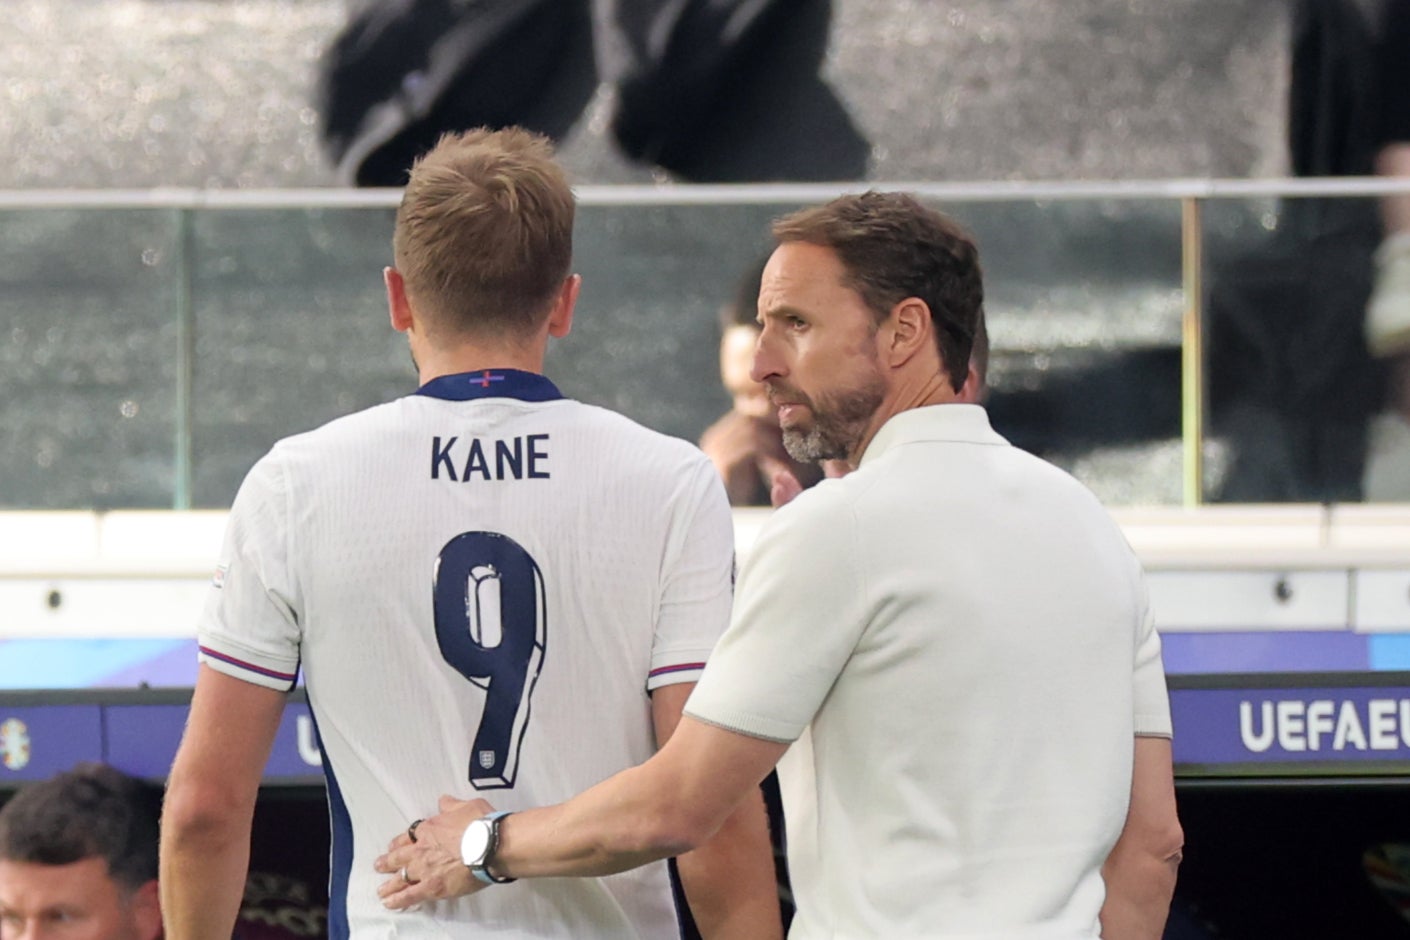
[909,331]
[398,307]
[560,321]
[147,911]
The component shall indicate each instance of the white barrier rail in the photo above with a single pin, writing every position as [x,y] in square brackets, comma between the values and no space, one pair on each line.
[1212,568]
[676,194]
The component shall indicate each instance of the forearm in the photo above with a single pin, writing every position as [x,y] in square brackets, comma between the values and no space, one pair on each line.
[623,822]
[1139,888]
[670,805]
[730,881]
[1140,871]
[204,860]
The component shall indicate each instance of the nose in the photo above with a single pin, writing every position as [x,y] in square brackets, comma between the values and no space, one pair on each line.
[768,363]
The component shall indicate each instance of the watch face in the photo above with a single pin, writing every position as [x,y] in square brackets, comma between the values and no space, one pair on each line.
[475,843]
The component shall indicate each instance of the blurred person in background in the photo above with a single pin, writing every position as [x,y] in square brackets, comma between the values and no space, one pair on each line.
[78,859]
[1387,475]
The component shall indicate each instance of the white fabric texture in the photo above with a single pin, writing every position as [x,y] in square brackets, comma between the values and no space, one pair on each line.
[602,565]
[963,633]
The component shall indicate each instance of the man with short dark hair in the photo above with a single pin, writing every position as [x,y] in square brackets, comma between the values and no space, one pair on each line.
[951,644]
[489,587]
[78,859]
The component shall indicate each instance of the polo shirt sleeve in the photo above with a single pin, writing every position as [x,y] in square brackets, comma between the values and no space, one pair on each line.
[1151,700]
[696,582]
[799,613]
[249,629]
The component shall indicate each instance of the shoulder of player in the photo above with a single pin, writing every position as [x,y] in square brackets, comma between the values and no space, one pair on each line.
[351,428]
[662,446]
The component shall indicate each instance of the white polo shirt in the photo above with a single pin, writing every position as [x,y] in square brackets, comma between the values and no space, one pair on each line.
[480,583]
[965,633]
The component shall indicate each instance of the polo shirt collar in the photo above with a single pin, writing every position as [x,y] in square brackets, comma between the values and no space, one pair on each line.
[968,424]
[491,383]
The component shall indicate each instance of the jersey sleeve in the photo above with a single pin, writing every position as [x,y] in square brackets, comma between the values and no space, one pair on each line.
[697,581]
[1151,701]
[799,614]
[250,628]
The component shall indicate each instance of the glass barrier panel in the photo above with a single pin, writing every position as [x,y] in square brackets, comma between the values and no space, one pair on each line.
[291,331]
[1083,300]
[88,357]
[1292,391]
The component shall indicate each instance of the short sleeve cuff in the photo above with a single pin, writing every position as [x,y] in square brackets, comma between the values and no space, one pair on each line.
[750,725]
[675,674]
[239,664]
[1153,726]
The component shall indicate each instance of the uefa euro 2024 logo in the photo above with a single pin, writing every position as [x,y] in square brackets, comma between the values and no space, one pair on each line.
[14,744]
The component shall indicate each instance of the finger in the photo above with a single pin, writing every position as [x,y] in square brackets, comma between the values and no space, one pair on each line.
[402,890]
[392,861]
[397,895]
[400,842]
[784,488]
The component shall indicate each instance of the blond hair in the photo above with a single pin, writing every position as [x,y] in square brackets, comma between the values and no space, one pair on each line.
[484,232]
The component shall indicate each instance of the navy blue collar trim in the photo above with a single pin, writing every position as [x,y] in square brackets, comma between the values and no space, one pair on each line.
[491,383]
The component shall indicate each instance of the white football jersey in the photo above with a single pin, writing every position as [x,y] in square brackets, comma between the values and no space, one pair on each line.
[480,582]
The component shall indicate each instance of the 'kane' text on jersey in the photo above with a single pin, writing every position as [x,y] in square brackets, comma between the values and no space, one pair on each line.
[518,458]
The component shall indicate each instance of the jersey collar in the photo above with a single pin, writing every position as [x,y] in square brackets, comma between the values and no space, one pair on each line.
[948,422]
[491,383]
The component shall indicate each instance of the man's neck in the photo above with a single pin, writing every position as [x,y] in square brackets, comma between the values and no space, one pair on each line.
[933,389]
[477,358]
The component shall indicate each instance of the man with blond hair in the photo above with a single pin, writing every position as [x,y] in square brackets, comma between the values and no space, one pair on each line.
[491,589]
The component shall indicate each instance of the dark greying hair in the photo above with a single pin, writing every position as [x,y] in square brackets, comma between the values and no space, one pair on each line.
[92,811]
[893,248]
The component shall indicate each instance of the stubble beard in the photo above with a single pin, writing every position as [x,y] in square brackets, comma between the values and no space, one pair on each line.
[839,421]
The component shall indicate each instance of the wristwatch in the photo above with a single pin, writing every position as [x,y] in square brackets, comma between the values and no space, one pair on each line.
[477,847]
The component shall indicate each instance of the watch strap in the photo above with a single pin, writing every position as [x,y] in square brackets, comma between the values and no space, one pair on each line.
[482,871]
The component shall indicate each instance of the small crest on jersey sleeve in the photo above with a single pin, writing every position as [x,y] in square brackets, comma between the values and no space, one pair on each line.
[218,579]
[487,759]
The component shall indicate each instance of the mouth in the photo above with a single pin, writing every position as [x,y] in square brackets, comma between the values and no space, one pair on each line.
[789,412]
[787,409]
